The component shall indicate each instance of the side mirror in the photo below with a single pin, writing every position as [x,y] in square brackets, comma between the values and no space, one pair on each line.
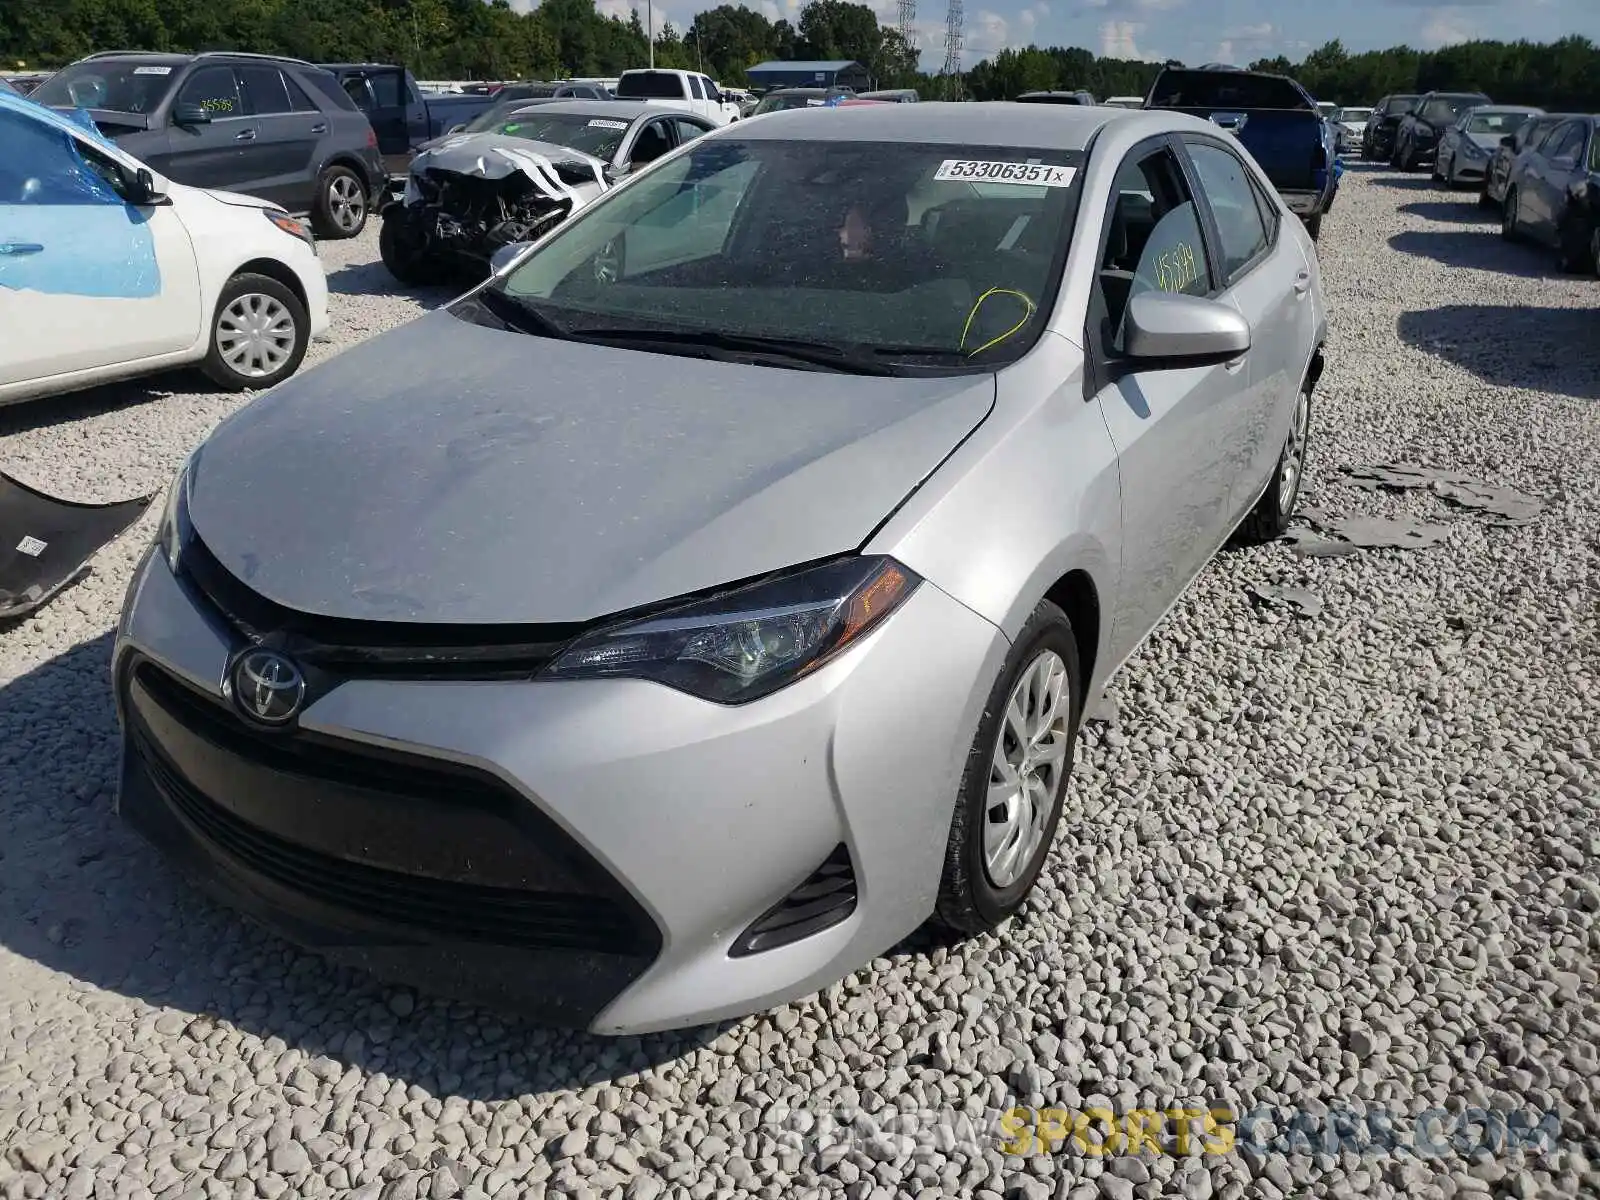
[142,190]
[191,114]
[1168,331]
[506,255]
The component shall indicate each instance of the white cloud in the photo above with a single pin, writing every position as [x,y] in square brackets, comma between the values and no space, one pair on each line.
[1247,42]
[985,34]
[1446,26]
[1118,39]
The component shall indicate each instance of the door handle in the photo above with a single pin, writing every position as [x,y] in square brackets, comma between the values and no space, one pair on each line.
[17,249]
[245,135]
[1302,283]
[320,127]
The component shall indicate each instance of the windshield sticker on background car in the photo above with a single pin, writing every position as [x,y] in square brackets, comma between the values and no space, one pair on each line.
[1038,174]
[607,123]
[1176,269]
[152,70]
[815,103]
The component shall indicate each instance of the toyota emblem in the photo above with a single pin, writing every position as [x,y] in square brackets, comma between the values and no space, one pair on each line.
[267,687]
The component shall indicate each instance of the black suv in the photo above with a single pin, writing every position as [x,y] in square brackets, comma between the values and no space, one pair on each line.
[276,128]
[1416,141]
[1377,140]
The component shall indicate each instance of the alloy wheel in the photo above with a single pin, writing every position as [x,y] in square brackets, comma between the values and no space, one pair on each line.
[1294,453]
[1026,768]
[346,204]
[255,335]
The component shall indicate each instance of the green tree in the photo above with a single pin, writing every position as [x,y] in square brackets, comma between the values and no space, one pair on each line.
[837,29]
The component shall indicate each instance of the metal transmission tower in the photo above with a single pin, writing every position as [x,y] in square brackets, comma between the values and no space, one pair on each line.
[952,46]
[908,22]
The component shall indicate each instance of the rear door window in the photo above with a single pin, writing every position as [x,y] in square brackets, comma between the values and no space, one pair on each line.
[215,89]
[1232,200]
[265,92]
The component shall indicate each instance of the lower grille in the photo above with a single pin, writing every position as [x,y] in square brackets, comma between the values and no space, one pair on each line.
[428,851]
[826,898]
[501,916]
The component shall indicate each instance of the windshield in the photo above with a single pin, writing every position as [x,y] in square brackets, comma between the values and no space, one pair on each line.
[912,256]
[1401,105]
[782,100]
[115,85]
[1354,116]
[599,136]
[1225,89]
[650,85]
[1443,110]
[1500,123]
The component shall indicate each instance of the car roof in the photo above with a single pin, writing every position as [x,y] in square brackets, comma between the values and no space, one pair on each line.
[629,110]
[988,123]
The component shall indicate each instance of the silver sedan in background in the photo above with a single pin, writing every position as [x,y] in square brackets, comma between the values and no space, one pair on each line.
[680,619]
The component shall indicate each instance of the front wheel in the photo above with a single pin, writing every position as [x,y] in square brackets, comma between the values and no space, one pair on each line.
[1314,226]
[340,209]
[1575,250]
[408,262]
[1508,216]
[1270,518]
[1485,201]
[1015,780]
[259,334]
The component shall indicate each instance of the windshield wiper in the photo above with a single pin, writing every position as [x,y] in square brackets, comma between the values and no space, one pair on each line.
[845,359]
[522,314]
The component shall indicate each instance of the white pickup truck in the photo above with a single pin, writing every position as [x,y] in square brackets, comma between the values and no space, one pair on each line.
[686,90]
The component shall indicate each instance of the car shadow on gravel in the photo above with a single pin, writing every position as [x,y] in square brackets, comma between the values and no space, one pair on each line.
[83,895]
[1544,349]
[1479,250]
[1452,212]
[373,279]
[1405,183]
[30,415]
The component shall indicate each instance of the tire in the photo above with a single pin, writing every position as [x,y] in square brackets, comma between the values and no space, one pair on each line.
[970,900]
[259,334]
[1508,216]
[1574,251]
[340,209]
[1270,517]
[1314,226]
[1486,201]
[408,263]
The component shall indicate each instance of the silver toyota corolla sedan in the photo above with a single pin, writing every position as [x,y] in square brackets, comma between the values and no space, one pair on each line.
[673,624]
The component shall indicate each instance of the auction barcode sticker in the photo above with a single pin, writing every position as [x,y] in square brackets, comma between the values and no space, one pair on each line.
[152,70]
[605,123]
[1037,174]
[31,546]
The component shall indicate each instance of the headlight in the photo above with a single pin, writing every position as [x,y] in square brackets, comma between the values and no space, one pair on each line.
[1471,149]
[748,643]
[174,531]
[290,225]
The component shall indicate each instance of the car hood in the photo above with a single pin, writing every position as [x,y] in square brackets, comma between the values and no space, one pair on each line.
[495,155]
[447,472]
[237,199]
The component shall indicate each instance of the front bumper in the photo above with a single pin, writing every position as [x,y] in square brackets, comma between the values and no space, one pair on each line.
[587,853]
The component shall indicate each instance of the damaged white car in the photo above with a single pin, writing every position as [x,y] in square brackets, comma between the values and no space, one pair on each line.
[472,195]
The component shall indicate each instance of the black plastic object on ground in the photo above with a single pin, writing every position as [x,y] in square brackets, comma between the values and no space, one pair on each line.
[46,543]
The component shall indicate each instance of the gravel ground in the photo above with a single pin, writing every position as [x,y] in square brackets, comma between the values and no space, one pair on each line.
[1336,865]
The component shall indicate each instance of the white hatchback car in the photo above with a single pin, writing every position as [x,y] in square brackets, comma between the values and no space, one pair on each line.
[107,270]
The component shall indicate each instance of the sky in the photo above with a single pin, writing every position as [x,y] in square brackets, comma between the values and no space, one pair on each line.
[1195,31]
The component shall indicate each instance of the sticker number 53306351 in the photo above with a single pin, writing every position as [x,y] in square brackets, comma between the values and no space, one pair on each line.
[1037,174]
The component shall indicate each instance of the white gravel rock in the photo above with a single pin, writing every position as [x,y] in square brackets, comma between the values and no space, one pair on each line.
[1345,863]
